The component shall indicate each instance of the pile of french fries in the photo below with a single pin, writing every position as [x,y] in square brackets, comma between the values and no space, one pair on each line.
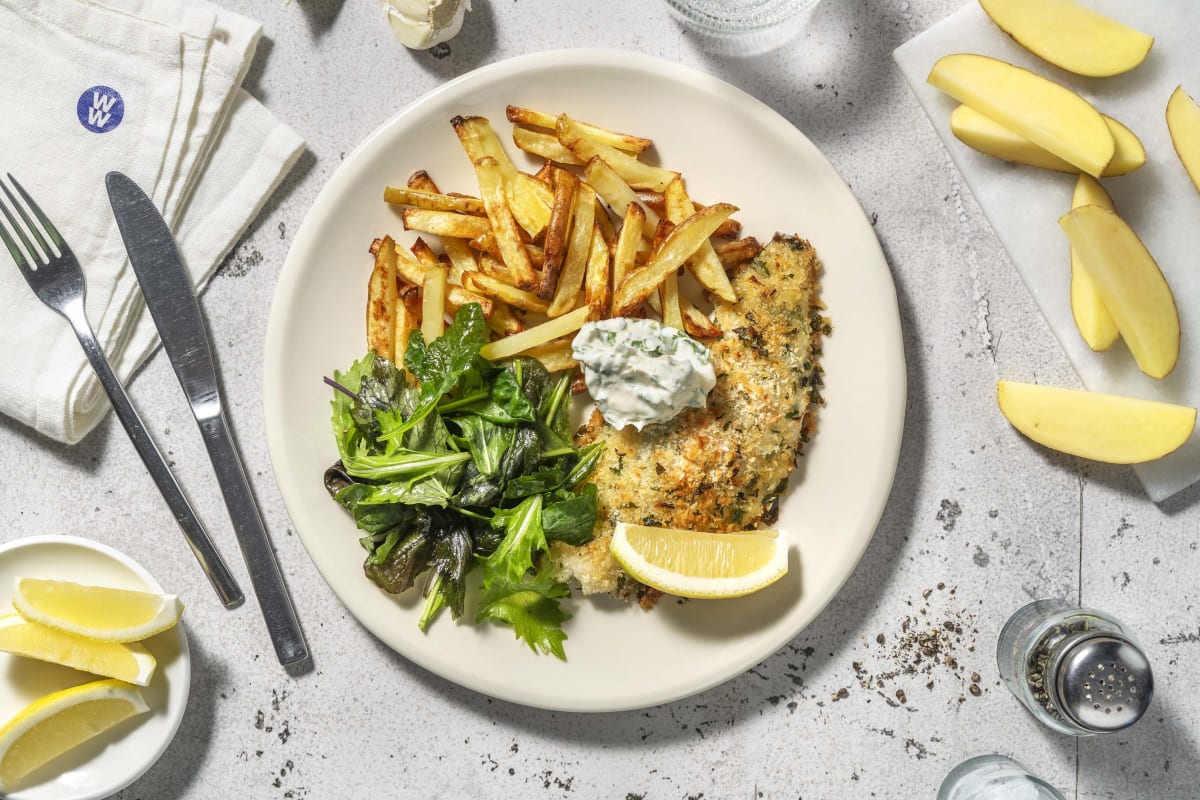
[542,253]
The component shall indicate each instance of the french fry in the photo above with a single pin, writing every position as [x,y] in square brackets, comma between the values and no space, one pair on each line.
[737,251]
[555,356]
[543,145]
[444,223]
[676,248]
[485,284]
[477,138]
[406,321]
[617,193]
[424,253]
[636,173]
[654,201]
[561,212]
[695,322]
[538,334]
[668,295]
[546,174]
[537,255]
[381,300]
[665,226]
[596,283]
[433,303]
[704,265]
[486,244]
[494,268]
[530,201]
[461,258]
[570,280]
[502,320]
[413,271]
[433,201]
[512,249]
[607,231]
[421,181]
[730,228]
[537,119]
[625,252]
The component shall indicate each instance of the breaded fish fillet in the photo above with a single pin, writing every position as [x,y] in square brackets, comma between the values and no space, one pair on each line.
[724,466]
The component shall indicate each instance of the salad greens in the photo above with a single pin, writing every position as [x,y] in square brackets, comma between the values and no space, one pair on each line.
[453,463]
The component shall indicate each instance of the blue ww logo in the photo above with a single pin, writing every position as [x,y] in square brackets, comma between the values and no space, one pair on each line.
[100,109]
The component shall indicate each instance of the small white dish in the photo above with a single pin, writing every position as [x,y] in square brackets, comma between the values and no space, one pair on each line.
[107,764]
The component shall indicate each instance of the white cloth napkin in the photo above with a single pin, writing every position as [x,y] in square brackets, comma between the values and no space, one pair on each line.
[150,88]
[1023,204]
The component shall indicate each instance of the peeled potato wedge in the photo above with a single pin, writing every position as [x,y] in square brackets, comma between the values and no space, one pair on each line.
[1046,113]
[1071,36]
[1130,283]
[991,138]
[1183,120]
[1095,324]
[1102,427]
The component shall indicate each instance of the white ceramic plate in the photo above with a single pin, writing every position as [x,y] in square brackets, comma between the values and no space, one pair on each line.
[108,763]
[730,147]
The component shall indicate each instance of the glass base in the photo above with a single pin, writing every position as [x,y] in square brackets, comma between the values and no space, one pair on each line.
[742,27]
[994,777]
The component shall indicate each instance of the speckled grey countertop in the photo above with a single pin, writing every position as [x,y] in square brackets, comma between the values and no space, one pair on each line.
[979,521]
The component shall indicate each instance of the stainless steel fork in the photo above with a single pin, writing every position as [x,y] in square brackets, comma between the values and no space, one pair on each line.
[58,282]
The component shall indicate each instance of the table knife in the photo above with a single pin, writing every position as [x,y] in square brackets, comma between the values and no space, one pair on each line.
[171,299]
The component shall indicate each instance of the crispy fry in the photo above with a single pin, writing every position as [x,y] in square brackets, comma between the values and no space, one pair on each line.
[570,280]
[538,334]
[546,174]
[422,182]
[503,321]
[530,201]
[561,212]
[665,226]
[512,249]
[407,319]
[555,356]
[413,271]
[433,303]
[433,201]
[494,268]
[730,228]
[537,256]
[486,244]
[617,193]
[668,295]
[477,138]
[543,145]
[625,252]
[636,173]
[461,258]
[704,265]
[485,284]
[444,223]
[424,253]
[607,231]
[678,246]
[737,251]
[381,299]
[653,200]
[621,141]
[695,322]
[596,283]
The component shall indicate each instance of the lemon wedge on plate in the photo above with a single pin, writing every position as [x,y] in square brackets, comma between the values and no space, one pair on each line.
[128,662]
[97,612]
[58,722]
[701,565]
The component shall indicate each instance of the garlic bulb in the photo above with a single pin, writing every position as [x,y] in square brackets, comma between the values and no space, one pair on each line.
[420,24]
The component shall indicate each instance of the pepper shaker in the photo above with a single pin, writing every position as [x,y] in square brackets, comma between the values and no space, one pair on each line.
[1077,670]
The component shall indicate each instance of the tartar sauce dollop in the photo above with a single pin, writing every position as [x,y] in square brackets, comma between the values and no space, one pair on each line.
[640,371]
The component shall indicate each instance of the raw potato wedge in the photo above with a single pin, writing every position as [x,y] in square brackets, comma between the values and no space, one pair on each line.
[1071,36]
[1102,427]
[1183,120]
[991,138]
[1095,324]
[1046,113]
[1131,285]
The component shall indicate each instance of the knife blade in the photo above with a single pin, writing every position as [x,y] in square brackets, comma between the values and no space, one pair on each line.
[172,302]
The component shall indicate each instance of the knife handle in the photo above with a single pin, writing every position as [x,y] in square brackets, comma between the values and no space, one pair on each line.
[273,598]
[197,538]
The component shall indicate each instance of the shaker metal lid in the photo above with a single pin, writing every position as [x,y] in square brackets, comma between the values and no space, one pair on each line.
[1104,683]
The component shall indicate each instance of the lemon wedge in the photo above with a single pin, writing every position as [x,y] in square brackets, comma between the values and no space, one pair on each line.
[701,565]
[127,662]
[97,612]
[59,722]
